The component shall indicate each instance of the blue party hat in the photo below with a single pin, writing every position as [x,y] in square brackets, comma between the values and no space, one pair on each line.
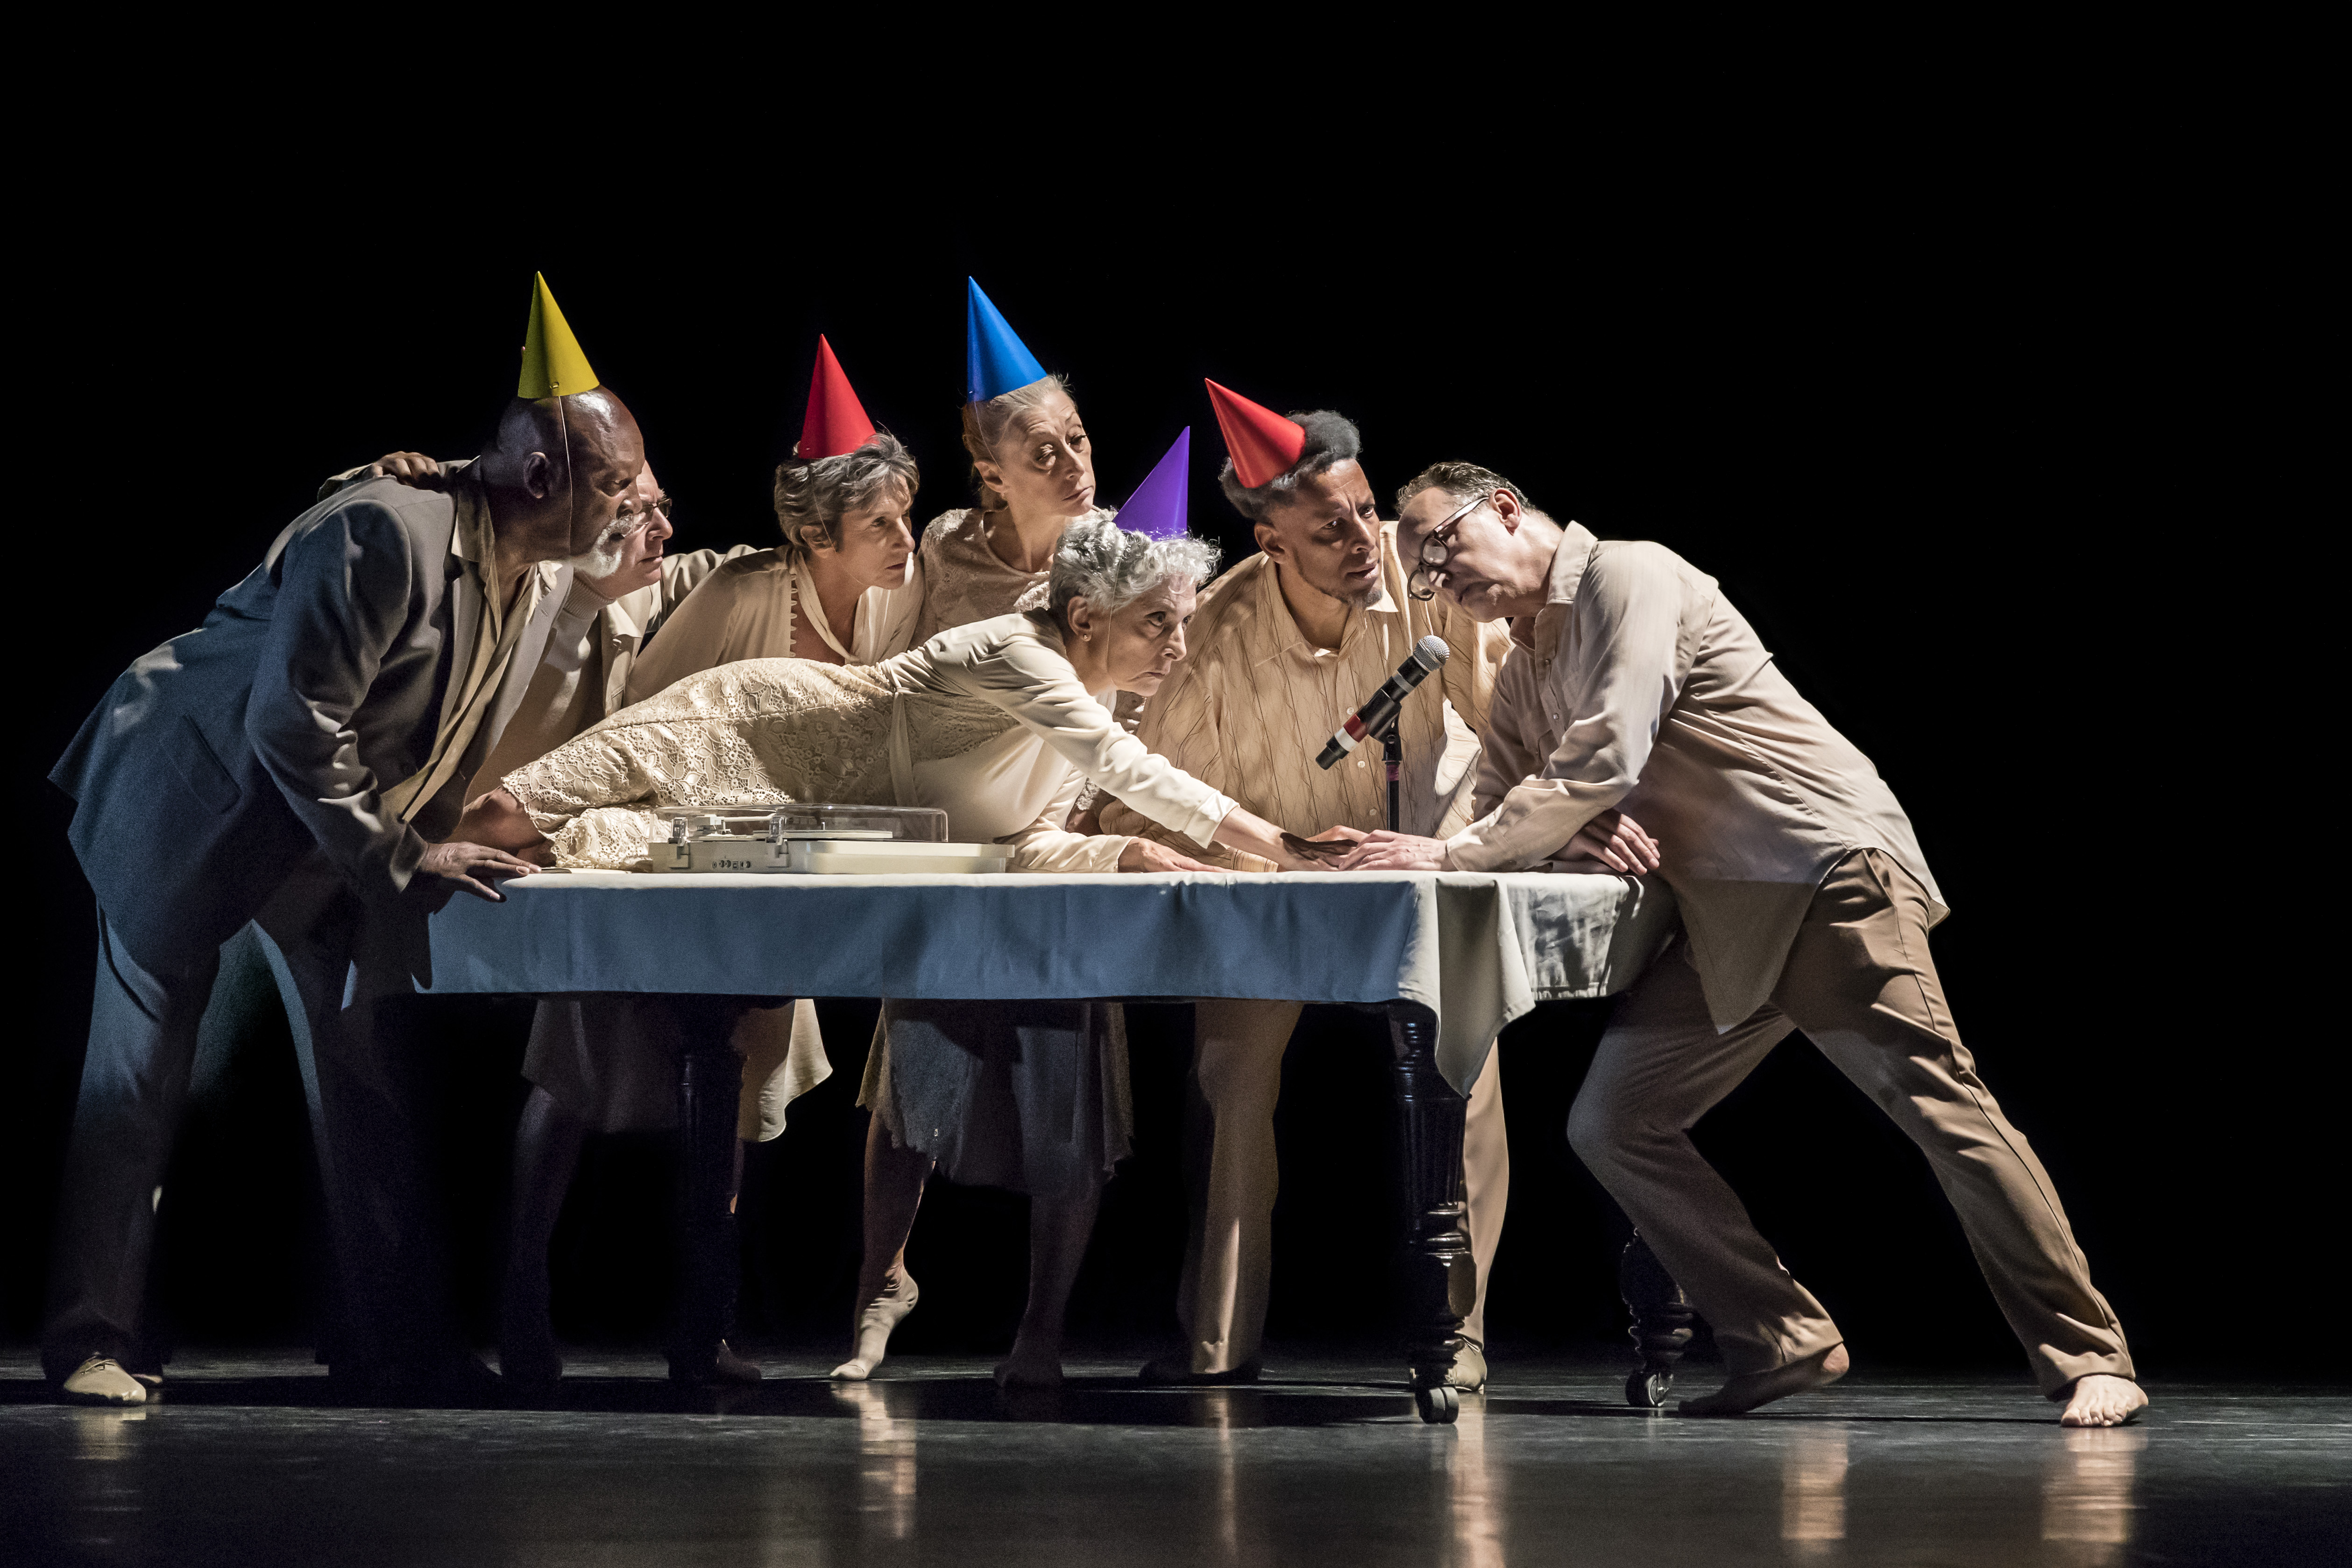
[995,362]
[1157,510]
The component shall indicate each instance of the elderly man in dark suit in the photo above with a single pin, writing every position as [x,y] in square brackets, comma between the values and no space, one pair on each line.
[295,763]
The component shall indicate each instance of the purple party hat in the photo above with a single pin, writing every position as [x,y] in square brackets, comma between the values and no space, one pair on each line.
[1157,508]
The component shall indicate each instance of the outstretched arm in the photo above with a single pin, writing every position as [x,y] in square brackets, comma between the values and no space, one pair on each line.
[1037,686]
[1625,667]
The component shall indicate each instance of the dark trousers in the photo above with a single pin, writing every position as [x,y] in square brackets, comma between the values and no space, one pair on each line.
[334,961]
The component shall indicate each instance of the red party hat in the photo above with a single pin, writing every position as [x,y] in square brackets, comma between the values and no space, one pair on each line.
[836,421]
[1263,443]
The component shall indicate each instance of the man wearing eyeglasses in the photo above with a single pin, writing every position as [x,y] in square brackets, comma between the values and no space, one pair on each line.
[294,764]
[1283,648]
[1635,689]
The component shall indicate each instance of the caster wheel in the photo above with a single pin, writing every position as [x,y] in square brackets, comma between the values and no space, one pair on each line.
[1647,1389]
[1438,1405]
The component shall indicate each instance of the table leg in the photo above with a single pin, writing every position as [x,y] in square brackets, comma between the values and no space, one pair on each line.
[1662,1322]
[709,1082]
[1442,1276]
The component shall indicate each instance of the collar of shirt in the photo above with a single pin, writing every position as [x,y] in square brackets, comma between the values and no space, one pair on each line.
[475,541]
[1540,630]
[806,605]
[1275,610]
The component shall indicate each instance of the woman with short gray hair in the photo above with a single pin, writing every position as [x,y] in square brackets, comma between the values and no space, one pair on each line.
[843,586]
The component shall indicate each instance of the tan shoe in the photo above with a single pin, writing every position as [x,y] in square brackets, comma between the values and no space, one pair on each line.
[1468,1372]
[101,1380]
[872,1330]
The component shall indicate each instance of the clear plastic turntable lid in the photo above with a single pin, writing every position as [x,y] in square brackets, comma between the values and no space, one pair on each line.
[807,819]
[819,819]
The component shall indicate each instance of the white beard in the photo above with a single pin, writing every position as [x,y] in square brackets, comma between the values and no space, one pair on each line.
[602,562]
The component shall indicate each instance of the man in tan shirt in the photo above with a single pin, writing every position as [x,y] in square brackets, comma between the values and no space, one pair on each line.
[1283,649]
[1807,903]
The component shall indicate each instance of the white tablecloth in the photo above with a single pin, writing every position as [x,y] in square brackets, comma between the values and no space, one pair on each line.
[1477,949]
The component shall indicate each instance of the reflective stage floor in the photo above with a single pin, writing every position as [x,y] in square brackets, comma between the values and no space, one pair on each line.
[244,1460]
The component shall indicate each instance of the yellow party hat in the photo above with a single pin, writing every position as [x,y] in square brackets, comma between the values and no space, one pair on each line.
[552,364]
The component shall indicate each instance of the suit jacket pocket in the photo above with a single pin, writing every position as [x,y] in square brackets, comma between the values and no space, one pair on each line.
[192,757]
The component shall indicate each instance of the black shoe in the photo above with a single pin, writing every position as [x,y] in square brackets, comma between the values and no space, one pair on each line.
[724,1367]
[1176,1372]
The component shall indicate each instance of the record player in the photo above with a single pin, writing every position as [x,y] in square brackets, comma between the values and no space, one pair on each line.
[818,839]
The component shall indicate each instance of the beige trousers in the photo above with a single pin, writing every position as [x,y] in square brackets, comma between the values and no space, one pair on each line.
[1861,985]
[1230,1170]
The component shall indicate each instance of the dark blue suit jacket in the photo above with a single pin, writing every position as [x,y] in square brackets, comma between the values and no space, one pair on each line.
[229,754]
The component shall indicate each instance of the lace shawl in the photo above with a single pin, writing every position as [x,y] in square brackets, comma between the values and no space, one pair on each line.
[763,730]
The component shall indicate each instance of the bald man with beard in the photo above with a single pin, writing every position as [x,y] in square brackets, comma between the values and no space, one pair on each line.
[295,763]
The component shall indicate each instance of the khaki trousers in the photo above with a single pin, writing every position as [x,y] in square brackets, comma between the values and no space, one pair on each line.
[1232,1174]
[1859,982]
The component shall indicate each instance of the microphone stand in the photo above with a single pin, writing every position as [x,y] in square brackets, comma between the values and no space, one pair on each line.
[1393,755]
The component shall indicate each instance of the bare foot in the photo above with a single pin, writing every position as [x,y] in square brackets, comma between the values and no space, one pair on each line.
[2101,1400]
[1750,1390]
[1030,1365]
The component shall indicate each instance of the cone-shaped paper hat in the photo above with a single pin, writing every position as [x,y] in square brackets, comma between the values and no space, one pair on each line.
[836,421]
[995,362]
[552,364]
[1263,443]
[1157,508]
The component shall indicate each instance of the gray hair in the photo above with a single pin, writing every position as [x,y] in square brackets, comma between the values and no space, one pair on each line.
[1110,567]
[819,494]
[1460,480]
[984,424]
[1332,439]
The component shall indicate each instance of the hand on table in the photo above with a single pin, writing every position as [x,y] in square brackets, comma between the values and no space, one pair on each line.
[1386,851]
[1143,855]
[409,467]
[475,868]
[1617,841]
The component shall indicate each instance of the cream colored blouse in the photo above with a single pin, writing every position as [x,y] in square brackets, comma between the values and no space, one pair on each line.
[965,581]
[746,610]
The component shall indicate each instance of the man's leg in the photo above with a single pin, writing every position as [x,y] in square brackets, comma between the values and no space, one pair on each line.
[134,1087]
[337,964]
[1237,1049]
[1486,1182]
[1861,983]
[1660,1067]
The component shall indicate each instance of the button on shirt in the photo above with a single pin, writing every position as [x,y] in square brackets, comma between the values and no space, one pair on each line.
[1638,685]
[1253,701]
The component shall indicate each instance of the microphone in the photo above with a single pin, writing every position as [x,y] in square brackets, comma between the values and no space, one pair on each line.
[1382,705]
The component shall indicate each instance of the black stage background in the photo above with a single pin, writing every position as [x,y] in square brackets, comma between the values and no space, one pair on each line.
[1972,439]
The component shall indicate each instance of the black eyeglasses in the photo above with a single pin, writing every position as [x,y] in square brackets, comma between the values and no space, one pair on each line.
[1436,549]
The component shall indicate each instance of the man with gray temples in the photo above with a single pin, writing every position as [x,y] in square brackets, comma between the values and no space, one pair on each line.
[295,763]
[1634,685]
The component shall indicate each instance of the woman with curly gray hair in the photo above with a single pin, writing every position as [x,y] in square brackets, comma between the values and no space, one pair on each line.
[999,722]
